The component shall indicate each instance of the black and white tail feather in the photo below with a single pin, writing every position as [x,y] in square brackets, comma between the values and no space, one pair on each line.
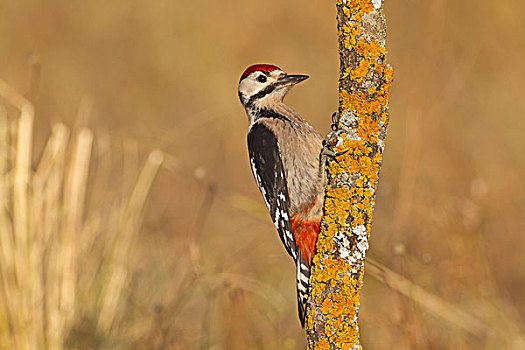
[303,280]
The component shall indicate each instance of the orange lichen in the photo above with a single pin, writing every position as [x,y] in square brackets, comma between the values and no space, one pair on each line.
[338,265]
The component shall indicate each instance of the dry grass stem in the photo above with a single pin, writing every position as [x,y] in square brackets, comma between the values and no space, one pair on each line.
[50,270]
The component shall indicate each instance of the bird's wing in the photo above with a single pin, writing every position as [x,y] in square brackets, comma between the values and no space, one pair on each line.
[267,168]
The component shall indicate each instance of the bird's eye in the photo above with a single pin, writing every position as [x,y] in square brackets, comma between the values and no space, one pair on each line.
[261,78]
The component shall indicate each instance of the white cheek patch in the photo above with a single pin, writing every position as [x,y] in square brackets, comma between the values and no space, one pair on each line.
[250,86]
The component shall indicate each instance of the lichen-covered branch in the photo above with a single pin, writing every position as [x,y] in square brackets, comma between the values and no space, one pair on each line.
[358,142]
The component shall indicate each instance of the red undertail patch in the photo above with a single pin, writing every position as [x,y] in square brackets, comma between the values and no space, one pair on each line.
[305,233]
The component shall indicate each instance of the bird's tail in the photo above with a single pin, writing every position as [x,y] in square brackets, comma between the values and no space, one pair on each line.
[303,277]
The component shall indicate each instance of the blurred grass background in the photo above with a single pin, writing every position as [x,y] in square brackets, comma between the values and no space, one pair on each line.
[205,269]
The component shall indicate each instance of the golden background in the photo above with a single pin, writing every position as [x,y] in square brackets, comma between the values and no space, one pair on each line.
[207,269]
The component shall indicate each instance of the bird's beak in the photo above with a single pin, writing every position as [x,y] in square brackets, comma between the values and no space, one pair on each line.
[291,79]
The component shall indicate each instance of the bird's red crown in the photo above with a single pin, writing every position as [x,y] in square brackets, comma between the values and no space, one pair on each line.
[259,67]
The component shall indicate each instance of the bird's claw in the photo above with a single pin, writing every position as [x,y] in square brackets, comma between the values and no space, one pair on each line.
[335,120]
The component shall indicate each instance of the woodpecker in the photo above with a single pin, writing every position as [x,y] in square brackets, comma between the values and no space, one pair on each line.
[284,153]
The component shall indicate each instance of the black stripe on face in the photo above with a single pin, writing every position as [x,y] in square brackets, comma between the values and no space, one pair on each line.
[241,96]
[267,90]
[267,113]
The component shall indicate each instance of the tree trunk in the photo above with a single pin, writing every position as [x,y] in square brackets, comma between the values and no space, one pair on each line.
[358,143]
